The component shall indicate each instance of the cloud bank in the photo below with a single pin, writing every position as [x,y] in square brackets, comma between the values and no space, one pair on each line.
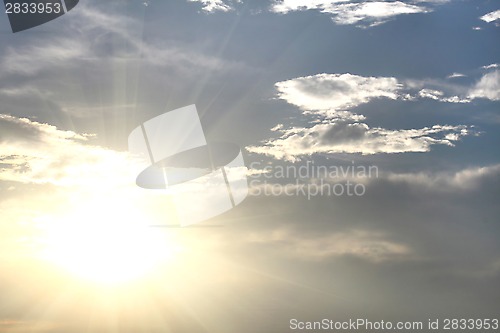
[328,99]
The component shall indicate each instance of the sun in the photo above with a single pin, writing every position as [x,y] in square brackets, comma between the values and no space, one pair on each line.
[107,241]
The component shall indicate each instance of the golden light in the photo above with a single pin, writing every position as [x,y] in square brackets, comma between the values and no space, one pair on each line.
[107,241]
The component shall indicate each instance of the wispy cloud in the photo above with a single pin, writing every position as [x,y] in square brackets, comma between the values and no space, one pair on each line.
[469,179]
[455,75]
[364,244]
[97,30]
[487,87]
[109,44]
[58,54]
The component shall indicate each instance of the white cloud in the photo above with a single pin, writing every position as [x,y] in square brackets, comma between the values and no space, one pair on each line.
[215,5]
[487,87]
[344,137]
[285,6]
[372,12]
[455,75]
[466,179]
[491,66]
[455,99]
[327,93]
[346,12]
[432,94]
[491,17]
[438,95]
[37,153]
[338,130]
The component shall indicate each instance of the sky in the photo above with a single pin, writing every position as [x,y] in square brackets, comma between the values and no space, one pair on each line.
[407,89]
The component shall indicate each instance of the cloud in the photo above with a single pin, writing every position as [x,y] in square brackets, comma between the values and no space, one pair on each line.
[285,6]
[344,137]
[37,153]
[469,179]
[368,245]
[487,87]
[434,231]
[288,244]
[373,13]
[422,245]
[363,13]
[491,17]
[331,93]
[99,32]
[406,239]
[457,204]
[338,130]
[118,72]
[438,95]
[215,5]
[491,66]
[326,92]
[455,75]
[58,54]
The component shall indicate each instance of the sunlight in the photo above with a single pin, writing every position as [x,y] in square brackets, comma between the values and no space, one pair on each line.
[111,243]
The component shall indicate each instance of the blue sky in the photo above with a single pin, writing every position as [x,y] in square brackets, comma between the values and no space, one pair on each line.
[411,87]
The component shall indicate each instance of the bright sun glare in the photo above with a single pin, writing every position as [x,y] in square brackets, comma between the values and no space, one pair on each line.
[108,243]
